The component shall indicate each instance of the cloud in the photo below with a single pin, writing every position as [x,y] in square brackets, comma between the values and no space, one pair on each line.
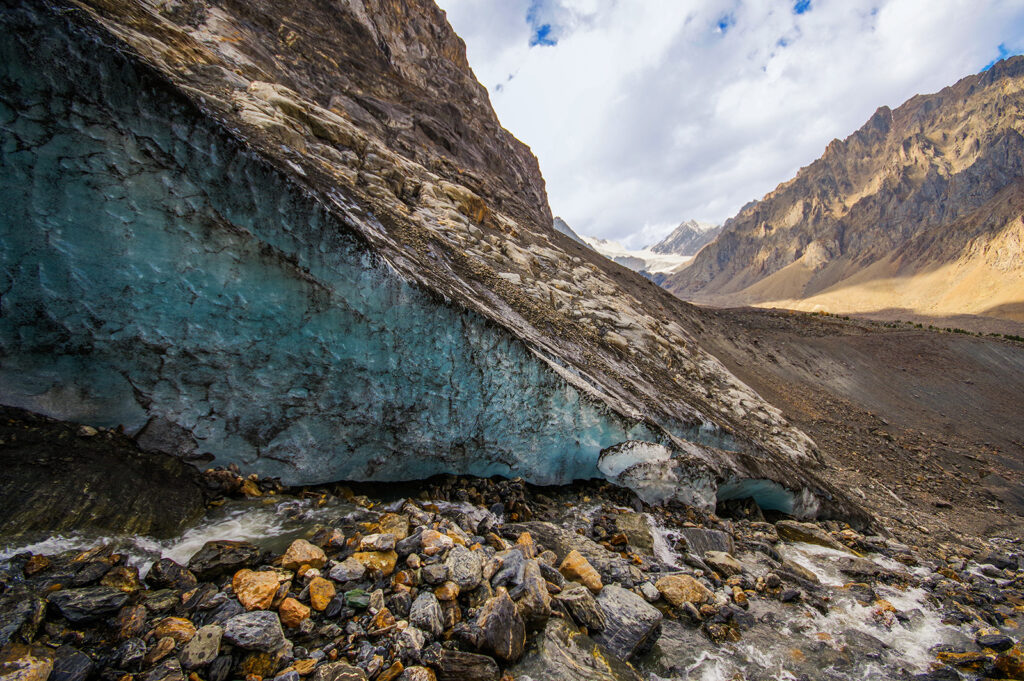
[644,113]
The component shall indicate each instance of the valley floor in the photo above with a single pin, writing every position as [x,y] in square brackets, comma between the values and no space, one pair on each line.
[925,428]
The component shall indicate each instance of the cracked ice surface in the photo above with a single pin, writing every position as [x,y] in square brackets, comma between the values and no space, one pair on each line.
[154,272]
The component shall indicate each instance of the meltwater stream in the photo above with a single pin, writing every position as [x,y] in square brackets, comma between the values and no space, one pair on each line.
[789,642]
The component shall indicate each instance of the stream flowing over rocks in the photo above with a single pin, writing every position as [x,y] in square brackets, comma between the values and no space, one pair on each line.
[473,579]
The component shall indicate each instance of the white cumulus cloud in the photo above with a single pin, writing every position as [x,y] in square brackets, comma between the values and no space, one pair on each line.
[647,112]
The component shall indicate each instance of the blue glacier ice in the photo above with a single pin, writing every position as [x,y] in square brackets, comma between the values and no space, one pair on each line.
[156,274]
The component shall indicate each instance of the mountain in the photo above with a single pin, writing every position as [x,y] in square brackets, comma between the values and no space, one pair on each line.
[916,215]
[562,226]
[688,238]
[645,261]
[294,237]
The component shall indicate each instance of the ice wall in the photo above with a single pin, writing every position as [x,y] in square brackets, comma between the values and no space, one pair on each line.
[155,274]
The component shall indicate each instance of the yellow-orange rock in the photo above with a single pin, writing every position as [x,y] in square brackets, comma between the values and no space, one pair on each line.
[255,590]
[448,591]
[435,542]
[576,568]
[321,591]
[292,612]
[680,589]
[177,628]
[381,561]
[300,553]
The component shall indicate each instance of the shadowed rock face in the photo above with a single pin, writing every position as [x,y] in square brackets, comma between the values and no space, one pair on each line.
[935,186]
[298,239]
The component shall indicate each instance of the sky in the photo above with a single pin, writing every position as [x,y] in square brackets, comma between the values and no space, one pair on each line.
[645,113]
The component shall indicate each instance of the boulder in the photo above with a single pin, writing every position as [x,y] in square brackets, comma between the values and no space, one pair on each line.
[203,648]
[300,553]
[257,630]
[809,533]
[255,590]
[223,557]
[579,602]
[503,629]
[632,625]
[88,603]
[576,568]
[680,589]
[464,567]
[426,614]
[561,652]
[166,574]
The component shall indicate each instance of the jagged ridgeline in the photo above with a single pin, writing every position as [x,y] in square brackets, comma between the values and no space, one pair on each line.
[296,238]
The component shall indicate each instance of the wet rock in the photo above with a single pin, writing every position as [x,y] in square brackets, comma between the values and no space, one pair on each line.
[632,625]
[579,602]
[381,562]
[122,577]
[358,599]
[88,603]
[723,563]
[203,648]
[255,590]
[223,557]
[417,674]
[300,553]
[168,670]
[506,568]
[130,621]
[426,614]
[292,613]
[464,567]
[1010,663]
[531,596]
[448,591]
[996,641]
[681,589]
[700,540]
[162,649]
[257,630]
[809,533]
[20,664]
[637,531]
[563,653]
[220,668]
[791,595]
[70,664]
[434,573]
[179,629]
[321,592]
[576,568]
[20,617]
[503,629]
[433,542]
[348,570]
[455,665]
[338,671]
[130,654]
[377,542]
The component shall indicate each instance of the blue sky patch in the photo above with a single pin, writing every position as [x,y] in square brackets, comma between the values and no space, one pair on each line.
[725,23]
[802,6]
[542,36]
[1004,52]
[544,33]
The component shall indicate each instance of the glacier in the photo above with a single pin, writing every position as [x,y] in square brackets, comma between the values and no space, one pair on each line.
[159,276]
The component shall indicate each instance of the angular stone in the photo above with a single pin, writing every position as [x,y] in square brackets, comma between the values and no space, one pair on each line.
[255,590]
[809,533]
[464,567]
[338,671]
[348,570]
[300,553]
[448,591]
[531,596]
[455,665]
[612,568]
[418,674]
[222,557]
[722,563]
[394,523]
[166,574]
[381,562]
[358,599]
[582,607]
[292,612]
[503,629]
[384,541]
[680,589]
[130,621]
[20,617]
[426,614]
[321,592]
[162,649]
[122,577]
[203,648]
[576,568]
[130,654]
[632,625]
[563,653]
[434,542]
[88,603]
[70,664]
[177,628]
[700,540]
[256,630]
[169,670]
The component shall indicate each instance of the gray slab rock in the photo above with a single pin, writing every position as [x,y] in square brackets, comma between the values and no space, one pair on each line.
[257,630]
[563,653]
[632,625]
